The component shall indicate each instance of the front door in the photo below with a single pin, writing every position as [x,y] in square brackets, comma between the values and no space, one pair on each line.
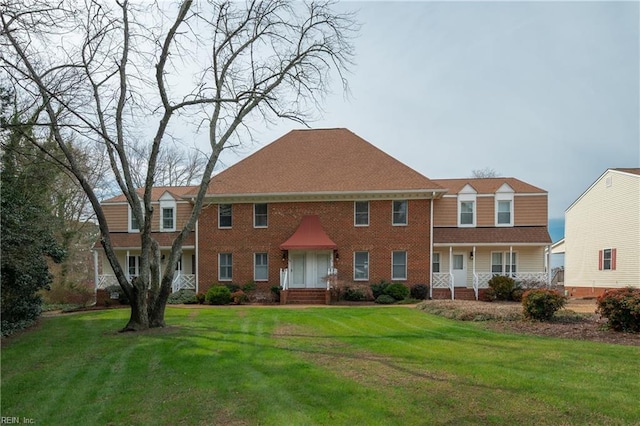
[309,269]
[459,270]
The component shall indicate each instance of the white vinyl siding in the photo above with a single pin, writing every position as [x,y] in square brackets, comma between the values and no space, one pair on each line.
[605,216]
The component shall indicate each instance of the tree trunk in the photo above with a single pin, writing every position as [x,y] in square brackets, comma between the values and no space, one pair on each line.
[139,319]
[157,309]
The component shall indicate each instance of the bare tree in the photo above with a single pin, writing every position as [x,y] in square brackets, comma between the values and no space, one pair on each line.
[98,72]
[487,172]
[174,166]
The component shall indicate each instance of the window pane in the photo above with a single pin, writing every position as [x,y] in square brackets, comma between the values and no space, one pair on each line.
[458,262]
[399,212]
[504,212]
[224,215]
[399,268]
[260,215]
[134,222]
[361,265]
[466,213]
[167,218]
[225,266]
[496,263]
[435,260]
[606,259]
[261,271]
[362,213]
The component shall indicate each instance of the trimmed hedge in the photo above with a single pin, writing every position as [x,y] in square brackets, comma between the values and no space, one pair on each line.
[542,304]
[184,296]
[218,295]
[621,308]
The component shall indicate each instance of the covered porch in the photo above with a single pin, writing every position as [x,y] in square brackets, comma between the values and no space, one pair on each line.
[309,255]
[471,257]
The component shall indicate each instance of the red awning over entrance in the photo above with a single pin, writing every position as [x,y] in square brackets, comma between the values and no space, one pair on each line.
[309,236]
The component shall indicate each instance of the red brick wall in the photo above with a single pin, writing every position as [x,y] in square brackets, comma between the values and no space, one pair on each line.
[380,238]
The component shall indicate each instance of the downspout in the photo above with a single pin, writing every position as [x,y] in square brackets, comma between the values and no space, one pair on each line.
[431,248]
[511,261]
[451,277]
[549,266]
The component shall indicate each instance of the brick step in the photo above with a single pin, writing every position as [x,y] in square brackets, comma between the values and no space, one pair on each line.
[306,296]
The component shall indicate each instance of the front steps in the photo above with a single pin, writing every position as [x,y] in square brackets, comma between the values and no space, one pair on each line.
[304,296]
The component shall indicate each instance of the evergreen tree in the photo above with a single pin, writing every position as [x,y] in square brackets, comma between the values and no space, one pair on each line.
[27,230]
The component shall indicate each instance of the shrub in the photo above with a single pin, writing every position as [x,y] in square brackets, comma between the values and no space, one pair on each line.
[218,295]
[239,297]
[420,291]
[249,287]
[184,296]
[517,293]
[354,294]
[275,289]
[385,299]
[200,298]
[231,286]
[378,289]
[542,304]
[397,291]
[621,307]
[501,288]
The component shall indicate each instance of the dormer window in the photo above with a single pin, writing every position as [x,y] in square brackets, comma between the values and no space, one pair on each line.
[134,226]
[168,211]
[504,206]
[467,207]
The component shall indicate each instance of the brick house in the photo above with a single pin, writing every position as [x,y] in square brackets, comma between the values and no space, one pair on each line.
[319,206]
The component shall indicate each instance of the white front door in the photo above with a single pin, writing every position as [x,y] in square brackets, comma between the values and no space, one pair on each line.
[309,269]
[298,267]
[459,267]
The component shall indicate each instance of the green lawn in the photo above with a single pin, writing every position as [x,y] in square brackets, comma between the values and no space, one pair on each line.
[280,366]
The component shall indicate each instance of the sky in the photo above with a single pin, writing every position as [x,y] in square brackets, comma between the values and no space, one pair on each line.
[547,92]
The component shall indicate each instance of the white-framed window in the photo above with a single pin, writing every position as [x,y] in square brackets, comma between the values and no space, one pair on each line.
[260,218]
[133,266]
[361,265]
[467,215]
[504,205]
[225,215]
[503,264]
[399,265]
[435,262]
[225,266]
[260,267]
[504,216]
[400,212]
[361,213]
[168,220]
[467,206]
[607,259]
[134,226]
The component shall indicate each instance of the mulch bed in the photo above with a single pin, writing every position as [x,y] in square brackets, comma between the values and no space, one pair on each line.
[577,321]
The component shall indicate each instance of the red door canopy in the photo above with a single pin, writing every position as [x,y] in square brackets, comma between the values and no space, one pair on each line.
[309,236]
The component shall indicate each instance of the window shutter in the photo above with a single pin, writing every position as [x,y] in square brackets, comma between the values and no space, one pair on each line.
[613,259]
[600,260]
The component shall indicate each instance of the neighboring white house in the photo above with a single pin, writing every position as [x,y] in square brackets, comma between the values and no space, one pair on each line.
[602,235]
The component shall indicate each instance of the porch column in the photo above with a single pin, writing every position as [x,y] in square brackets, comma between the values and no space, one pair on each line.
[511,261]
[95,275]
[126,265]
[548,266]
[474,261]
[451,278]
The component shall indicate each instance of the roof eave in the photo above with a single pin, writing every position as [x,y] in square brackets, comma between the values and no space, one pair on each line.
[331,195]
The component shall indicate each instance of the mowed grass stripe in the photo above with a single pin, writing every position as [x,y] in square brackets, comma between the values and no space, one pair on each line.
[249,365]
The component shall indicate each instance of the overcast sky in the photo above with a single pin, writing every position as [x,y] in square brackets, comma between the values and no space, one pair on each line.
[546,92]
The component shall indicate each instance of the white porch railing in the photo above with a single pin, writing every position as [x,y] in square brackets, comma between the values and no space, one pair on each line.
[442,280]
[105,281]
[532,279]
[183,281]
[332,275]
[284,278]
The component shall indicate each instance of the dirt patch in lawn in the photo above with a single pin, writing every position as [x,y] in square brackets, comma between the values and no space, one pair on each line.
[577,320]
